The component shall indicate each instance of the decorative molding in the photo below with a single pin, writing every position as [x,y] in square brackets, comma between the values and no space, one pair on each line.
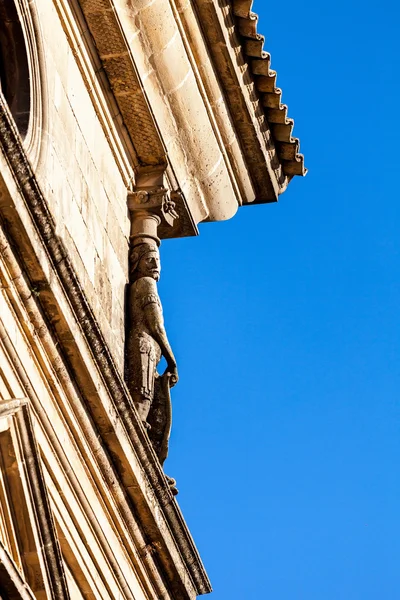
[98,86]
[251,126]
[27,303]
[210,88]
[17,438]
[103,24]
[29,20]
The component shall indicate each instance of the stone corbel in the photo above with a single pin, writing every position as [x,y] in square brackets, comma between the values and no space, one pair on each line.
[152,207]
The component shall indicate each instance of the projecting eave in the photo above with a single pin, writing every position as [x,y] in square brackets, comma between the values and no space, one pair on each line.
[190,92]
[249,85]
[259,60]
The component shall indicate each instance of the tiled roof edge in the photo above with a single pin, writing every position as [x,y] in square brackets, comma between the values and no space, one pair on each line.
[259,60]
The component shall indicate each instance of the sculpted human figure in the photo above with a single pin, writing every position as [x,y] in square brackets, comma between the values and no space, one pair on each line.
[148,340]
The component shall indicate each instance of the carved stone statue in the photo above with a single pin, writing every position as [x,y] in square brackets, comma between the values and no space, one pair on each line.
[147,343]
[153,212]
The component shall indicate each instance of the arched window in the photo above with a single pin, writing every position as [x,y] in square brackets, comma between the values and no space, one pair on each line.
[14,68]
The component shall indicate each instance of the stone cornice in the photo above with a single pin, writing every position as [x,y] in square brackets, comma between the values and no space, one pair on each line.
[250,124]
[124,134]
[119,66]
[98,87]
[103,391]
[257,159]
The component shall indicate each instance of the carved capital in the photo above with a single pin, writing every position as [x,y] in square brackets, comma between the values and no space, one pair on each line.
[152,206]
[156,201]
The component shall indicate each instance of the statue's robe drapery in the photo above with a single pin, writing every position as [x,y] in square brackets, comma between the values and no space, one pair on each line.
[144,355]
[144,351]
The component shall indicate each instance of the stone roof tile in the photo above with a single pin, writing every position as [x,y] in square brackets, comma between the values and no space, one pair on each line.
[265,82]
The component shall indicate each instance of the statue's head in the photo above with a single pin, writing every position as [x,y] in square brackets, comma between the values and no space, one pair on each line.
[145,261]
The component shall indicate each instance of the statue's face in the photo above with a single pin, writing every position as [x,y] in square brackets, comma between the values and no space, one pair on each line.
[149,265]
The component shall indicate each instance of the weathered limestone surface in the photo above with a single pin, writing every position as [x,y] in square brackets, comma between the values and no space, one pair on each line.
[81,181]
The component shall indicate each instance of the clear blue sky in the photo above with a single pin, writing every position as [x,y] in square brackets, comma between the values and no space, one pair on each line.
[285,322]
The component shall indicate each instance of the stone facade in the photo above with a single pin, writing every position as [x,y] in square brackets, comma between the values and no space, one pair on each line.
[122,122]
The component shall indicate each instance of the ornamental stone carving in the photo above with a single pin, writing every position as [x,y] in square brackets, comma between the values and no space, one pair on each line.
[147,337]
[148,340]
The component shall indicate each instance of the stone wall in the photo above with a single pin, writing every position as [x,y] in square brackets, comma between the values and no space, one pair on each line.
[99,554]
[82,183]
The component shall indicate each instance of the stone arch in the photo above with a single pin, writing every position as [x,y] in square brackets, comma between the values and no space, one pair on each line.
[20,70]
[14,68]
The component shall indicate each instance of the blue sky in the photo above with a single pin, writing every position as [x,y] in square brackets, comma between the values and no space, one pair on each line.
[285,321]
